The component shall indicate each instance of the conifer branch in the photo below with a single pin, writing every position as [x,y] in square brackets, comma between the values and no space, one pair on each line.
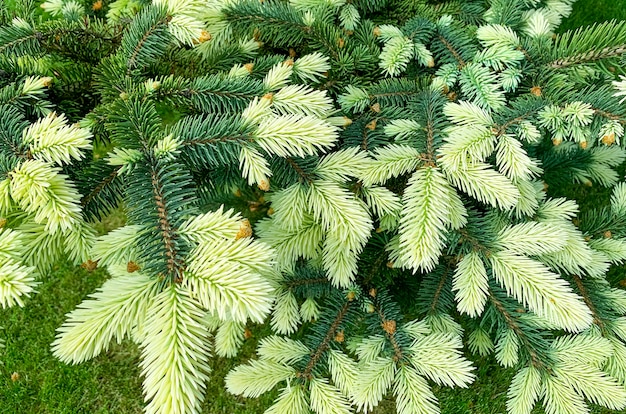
[536,359]
[228,138]
[610,115]
[8,45]
[323,346]
[306,282]
[130,63]
[440,286]
[100,187]
[452,50]
[605,53]
[585,295]
[174,265]
[308,178]
[389,326]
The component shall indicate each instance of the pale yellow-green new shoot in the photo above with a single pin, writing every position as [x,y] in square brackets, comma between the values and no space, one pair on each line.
[109,314]
[375,378]
[327,399]
[413,394]
[51,139]
[438,357]
[471,284]
[282,350]
[257,377]
[543,291]
[524,391]
[175,354]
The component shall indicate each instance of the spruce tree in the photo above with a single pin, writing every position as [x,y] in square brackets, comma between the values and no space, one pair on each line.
[377,180]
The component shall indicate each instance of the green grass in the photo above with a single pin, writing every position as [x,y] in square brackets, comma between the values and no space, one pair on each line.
[589,11]
[111,383]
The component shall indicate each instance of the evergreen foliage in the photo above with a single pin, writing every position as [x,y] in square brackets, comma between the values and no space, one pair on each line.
[376,186]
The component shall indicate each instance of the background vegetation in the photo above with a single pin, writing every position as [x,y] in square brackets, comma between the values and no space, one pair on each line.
[33,381]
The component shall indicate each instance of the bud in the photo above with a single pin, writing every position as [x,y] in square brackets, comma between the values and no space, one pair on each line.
[390,265]
[371,126]
[247,334]
[431,63]
[132,267]
[389,327]
[583,144]
[245,230]
[89,265]
[15,377]
[340,337]
[341,43]
[249,67]
[370,308]
[557,141]
[607,234]
[292,52]
[373,292]
[377,31]
[264,185]
[3,222]
[609,139]
[351,296]
[204,36]
[376,107]
[535,90]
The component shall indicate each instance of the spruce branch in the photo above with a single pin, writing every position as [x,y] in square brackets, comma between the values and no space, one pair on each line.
[538,360]
[331,331]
